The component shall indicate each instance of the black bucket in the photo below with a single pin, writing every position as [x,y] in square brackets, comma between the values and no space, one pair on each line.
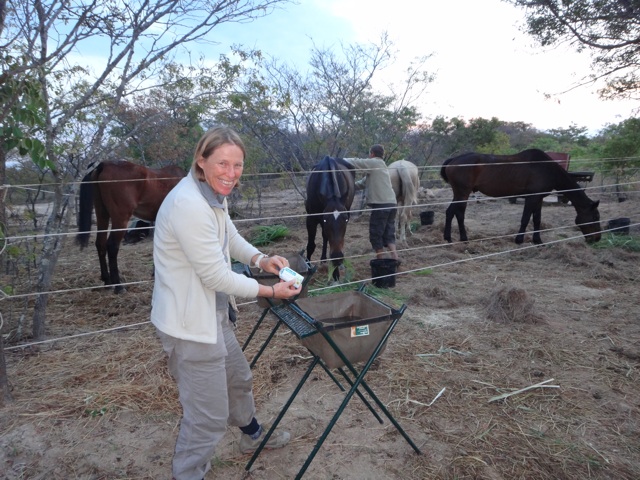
[619,226]
[426,218]
[381,267]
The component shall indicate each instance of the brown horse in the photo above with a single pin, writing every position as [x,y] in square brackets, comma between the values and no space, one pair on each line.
[530,173]
[330,192]
[119,190]
[405,181]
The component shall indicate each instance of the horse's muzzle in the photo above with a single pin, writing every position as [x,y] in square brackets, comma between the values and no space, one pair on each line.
[337,258]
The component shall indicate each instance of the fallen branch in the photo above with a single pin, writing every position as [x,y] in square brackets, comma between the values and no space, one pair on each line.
[537,385]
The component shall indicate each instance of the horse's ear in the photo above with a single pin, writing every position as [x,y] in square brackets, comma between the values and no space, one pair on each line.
[595,204]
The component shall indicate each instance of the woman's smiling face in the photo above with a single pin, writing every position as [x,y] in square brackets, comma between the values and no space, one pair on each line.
[223,168]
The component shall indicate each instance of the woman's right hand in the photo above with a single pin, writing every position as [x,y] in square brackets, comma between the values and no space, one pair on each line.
[281,290]
[285,289]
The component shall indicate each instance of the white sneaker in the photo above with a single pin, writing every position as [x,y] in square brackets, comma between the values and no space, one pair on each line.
[277,440]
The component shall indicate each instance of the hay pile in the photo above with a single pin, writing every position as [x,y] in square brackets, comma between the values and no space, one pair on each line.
[511,305]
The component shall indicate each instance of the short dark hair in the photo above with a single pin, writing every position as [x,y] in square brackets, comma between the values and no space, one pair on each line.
[377,150]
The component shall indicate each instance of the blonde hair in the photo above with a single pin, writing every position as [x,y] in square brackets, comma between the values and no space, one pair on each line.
[210,141]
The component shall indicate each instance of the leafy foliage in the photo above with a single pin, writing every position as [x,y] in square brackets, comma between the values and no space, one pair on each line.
[23,107]
[609,29]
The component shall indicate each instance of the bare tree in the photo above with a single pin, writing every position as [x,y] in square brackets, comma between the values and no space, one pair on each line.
[298,118]
[137,39]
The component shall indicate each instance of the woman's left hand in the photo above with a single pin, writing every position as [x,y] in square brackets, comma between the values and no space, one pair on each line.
[274,264]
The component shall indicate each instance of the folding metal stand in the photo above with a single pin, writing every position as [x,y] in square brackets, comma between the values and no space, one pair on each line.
[303,326]
[310,271]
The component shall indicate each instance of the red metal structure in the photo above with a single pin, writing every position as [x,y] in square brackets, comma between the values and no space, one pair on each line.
[563,160]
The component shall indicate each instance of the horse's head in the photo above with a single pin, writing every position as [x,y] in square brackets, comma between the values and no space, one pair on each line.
[588,220]
[334,228]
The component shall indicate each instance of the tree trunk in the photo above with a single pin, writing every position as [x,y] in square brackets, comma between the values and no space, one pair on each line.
[4,379]
[57,224]
[3,194]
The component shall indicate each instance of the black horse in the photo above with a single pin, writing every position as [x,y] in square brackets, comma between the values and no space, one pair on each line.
[530,173]
[330,192]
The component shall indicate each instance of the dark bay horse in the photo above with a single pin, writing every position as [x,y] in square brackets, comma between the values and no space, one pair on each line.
[119,190]
[330,192]
[530,173]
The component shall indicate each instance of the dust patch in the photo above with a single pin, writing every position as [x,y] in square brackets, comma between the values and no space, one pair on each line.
[449,317]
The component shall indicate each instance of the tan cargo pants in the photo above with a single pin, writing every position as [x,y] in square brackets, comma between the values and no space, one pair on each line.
[215,390]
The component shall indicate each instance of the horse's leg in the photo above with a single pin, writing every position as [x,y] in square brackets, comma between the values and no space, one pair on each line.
[101,247]
[449,214]
[537,220]
[459,213]
[113,247]
[102,225]
[312,227]
[405,228]
[455,209]
[325,242]
[406,221]
[529,207]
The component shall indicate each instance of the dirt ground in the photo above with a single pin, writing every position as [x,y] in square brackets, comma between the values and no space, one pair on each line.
[484,319]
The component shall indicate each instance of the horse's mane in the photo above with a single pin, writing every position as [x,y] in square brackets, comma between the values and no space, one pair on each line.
[329,182]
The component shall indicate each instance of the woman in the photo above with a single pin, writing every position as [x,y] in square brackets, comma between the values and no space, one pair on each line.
[194,242]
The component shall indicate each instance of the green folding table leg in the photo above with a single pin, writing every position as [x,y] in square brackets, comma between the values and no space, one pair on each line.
[255,329]
[276,422]
[347,398]
[264,345]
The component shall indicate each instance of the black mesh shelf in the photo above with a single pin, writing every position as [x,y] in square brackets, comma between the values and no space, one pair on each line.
[297,321]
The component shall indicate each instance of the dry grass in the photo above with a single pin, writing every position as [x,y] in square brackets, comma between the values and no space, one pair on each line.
[104,406]
[511,305]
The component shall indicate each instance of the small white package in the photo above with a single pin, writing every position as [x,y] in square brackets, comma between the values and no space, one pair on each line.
[287,274]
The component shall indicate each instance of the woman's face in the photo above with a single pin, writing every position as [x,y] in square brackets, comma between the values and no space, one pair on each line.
[222,169]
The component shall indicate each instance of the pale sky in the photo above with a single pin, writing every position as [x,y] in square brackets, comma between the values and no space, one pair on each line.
[484,66]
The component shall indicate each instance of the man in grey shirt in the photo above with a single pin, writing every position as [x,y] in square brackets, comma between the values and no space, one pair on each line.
[382,200]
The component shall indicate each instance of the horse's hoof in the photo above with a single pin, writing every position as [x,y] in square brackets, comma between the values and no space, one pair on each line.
[118,290]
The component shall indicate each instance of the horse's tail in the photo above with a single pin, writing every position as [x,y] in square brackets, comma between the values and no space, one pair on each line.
[443,172]
[409,181]
[85,209]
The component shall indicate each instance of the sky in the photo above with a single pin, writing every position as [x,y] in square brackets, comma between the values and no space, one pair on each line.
[484,65]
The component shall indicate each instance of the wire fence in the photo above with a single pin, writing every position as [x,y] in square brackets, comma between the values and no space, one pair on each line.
[630,187]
